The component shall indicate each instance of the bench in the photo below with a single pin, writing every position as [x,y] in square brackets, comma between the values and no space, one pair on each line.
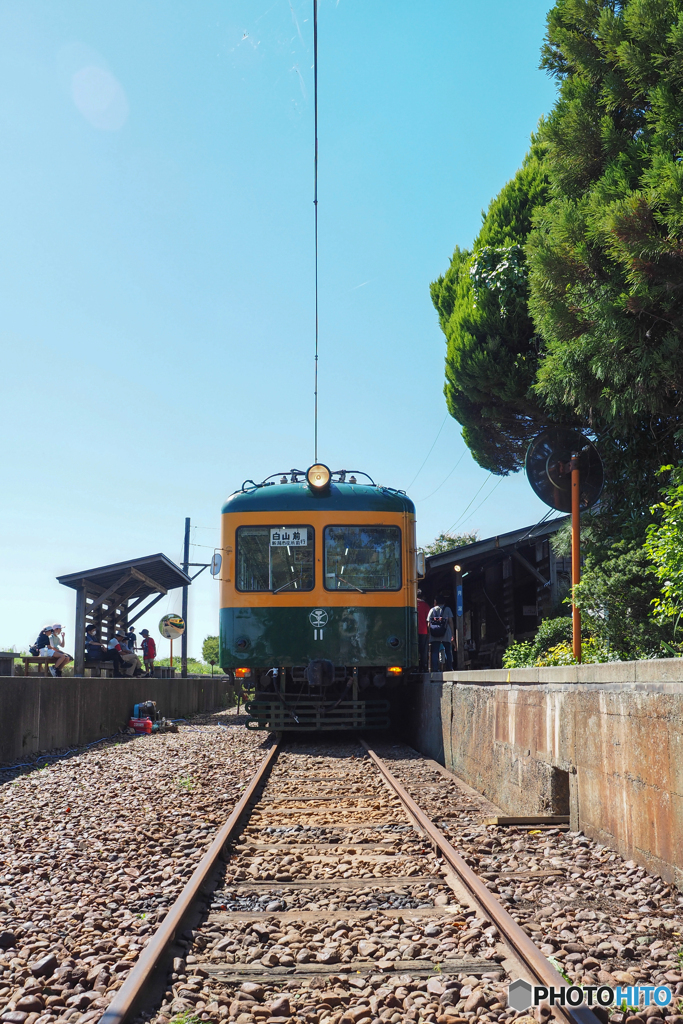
[99,668]
[45,662]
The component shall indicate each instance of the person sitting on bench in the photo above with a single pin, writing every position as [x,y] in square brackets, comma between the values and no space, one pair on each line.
[94,650]
[43,648]
[131,661]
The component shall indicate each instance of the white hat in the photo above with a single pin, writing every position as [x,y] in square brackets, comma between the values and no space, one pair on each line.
[57,625]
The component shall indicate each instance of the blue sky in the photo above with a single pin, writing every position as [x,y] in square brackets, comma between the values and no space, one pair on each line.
[156,264]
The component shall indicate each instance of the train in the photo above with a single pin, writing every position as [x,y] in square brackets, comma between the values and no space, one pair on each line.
[318,599]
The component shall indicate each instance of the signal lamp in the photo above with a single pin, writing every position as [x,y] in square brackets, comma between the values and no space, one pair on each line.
[395,670]
[318,477]
[457,568]
[242,673]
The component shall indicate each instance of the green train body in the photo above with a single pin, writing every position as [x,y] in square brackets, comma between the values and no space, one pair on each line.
[318,601]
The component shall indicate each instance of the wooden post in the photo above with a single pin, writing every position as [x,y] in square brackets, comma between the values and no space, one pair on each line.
[79,633]
[576,555]
[185,567]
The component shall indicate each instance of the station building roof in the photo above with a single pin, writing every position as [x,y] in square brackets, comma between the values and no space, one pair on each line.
[493,546]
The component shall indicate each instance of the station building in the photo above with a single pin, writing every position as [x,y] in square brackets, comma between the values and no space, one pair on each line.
[510,584]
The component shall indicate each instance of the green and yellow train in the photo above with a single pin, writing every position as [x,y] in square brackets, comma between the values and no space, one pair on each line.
[318,599]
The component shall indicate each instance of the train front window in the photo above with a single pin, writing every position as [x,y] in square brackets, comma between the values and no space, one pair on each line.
[275,558]
[362,558]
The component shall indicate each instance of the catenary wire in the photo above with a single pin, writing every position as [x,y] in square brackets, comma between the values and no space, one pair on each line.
[482,502]
[315,207]
[445,479]
[474,498]
[428,453]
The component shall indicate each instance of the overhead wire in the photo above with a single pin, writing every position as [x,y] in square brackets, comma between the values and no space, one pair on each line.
[428,454]
[476,494]
[483,502]
[445,479]
[315,207]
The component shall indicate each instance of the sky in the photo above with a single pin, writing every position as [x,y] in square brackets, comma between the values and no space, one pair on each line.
[157,266]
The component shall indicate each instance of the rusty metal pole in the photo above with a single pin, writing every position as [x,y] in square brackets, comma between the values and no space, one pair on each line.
[576,555]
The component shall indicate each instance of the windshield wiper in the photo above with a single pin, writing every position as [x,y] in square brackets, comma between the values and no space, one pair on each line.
[297,579]
[348,583]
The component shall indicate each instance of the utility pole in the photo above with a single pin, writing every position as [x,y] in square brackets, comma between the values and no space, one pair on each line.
[185,568]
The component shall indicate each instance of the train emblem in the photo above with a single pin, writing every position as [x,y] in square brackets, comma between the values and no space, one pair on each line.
[318,617]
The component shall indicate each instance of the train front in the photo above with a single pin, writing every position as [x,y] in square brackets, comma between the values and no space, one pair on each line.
[318,599]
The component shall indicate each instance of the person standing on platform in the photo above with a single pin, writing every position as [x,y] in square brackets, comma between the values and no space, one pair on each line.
[440,620]
[422,632]
[149,651]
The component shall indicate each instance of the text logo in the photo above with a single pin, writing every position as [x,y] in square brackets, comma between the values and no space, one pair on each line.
[522,995]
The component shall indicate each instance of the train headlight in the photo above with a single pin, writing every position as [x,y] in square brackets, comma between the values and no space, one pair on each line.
[318,477]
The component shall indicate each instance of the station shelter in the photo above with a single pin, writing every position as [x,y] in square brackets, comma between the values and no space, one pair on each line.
[114,597]
[510,583]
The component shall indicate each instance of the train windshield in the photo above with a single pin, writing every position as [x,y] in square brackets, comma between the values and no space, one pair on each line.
[362,558]
[275,558]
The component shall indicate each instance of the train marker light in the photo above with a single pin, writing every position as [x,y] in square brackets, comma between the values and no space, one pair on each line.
[395,670]
[318,477]
[242,673]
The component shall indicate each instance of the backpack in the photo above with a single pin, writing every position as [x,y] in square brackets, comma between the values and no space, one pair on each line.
[42,641]
[438,625]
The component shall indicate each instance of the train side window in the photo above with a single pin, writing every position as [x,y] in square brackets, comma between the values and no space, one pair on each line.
[275,558]
[362,558]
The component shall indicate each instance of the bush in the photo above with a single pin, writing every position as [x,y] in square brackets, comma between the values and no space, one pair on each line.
[592,651]
[551,633]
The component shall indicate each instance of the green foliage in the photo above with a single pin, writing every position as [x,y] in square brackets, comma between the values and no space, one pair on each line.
[528,652]
[210,649]
[492,346]
[449,541]
[616,594]
[519,655]
[606,253]
[592,651]
[194,666]
[552,632]
[500,270]
[585,326]
[664,546]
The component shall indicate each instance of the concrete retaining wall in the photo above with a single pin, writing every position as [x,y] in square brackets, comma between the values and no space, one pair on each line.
[601,742]
[39,714]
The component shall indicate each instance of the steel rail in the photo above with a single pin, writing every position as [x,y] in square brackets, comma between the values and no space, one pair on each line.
[542,972]
[127,997]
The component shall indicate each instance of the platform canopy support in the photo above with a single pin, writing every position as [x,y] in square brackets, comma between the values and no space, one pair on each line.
[114,597]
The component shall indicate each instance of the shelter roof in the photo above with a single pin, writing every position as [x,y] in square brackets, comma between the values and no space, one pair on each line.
[153,574]
[491,545]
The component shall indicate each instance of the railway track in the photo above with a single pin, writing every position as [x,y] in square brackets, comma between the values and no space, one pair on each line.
[330,895]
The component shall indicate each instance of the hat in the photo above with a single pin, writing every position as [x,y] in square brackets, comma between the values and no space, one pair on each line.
[57,625]
[119,633]
[89,628]
[144,632]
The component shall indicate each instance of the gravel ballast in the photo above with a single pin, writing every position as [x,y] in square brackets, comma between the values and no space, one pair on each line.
[93,850]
